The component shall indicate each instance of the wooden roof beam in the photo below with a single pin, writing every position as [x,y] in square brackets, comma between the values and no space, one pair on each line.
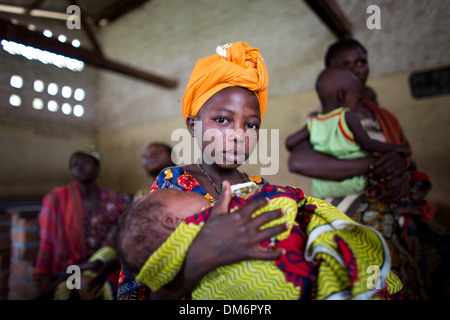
[331,14]
[20,34]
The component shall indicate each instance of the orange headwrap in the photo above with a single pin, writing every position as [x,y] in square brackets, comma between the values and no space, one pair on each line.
[237,65]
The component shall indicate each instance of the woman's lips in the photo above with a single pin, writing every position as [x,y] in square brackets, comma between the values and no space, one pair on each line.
[235,156]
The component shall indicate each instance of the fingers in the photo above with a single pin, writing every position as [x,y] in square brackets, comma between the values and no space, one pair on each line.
[267,254]
[222,204]
[380,168]
[239,235]
[388,166]
[270,232]
[257,222]
[247,210]
[266,217]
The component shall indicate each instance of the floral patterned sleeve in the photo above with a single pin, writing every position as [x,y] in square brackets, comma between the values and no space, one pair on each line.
[179,179]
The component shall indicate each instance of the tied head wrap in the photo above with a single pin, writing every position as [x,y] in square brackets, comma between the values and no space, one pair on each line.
[233,65]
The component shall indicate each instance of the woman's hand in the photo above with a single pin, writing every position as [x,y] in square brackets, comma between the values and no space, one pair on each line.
[228,238]
[388,166]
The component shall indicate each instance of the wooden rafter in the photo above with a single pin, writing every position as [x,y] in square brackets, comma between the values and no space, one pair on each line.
[21,34]
[331,14]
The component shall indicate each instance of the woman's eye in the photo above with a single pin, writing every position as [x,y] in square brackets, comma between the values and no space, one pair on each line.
[221,120]
[252,126]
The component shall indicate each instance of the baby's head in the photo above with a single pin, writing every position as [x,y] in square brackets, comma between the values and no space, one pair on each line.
[338,87]
[149,222]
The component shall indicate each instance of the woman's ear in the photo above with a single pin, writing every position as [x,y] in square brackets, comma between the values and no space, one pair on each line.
[341,96]
[190,123]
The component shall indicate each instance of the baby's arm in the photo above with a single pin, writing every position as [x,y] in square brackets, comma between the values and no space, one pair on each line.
[294,139]
[363,139]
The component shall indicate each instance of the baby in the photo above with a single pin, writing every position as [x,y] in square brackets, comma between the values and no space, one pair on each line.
[155,234]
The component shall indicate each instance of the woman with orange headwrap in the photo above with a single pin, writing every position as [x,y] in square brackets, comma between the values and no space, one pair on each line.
[226,95]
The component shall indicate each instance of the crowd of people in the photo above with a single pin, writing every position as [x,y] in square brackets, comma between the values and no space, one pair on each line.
[236,235]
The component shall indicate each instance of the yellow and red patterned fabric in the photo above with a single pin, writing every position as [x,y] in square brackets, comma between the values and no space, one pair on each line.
[328,255]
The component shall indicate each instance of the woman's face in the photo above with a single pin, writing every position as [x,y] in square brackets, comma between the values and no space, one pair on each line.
[83,168]
[230,122]
[155,158]
[354,59]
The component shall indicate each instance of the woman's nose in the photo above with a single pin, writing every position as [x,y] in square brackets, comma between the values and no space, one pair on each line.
[236,134]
